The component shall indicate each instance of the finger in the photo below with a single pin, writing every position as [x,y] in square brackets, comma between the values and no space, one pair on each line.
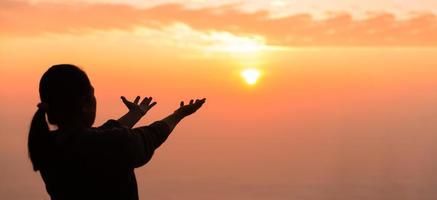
[146,101]
[200,101]
[203,100]
[136,100]
[149,100]
[191,101]
[152,104]
[125,101]
[182,103]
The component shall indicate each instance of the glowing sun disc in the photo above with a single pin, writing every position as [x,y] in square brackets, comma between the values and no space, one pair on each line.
[250,75]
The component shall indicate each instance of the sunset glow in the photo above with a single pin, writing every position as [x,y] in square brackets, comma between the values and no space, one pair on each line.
[226,42]
[307,100]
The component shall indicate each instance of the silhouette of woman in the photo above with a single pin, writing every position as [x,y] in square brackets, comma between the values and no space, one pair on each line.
[78,161]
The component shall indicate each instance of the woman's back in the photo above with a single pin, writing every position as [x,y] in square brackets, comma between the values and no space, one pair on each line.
[98,163]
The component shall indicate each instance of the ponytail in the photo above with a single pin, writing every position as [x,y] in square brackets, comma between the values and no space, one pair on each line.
[39,138]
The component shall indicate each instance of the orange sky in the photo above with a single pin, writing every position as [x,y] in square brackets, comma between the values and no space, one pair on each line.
[344,108]
[301,29]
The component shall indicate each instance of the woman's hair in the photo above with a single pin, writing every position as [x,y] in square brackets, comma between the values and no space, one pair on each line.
[63,90]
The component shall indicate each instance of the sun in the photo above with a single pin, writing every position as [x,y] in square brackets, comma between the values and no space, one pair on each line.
[250,75]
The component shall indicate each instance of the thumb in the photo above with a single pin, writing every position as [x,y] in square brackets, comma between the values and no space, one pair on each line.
[125,101]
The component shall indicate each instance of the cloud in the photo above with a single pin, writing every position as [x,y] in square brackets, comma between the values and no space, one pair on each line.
[339,29]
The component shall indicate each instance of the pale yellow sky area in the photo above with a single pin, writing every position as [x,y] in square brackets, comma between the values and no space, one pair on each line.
[319,8]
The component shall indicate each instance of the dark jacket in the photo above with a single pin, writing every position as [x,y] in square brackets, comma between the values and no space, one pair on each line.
[98,163]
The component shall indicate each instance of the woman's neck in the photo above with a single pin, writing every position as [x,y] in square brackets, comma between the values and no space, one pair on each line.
[73,125]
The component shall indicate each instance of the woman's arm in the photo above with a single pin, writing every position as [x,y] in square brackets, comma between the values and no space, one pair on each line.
[141,142]
[136,111]
[183,111]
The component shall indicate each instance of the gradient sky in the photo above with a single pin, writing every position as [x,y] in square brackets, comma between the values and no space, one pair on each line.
[320,7]
[345,107]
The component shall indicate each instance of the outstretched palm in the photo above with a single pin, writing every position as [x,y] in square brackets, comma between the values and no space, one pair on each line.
[190,108]
[145,105]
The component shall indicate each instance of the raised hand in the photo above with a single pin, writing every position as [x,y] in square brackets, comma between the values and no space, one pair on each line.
[190,108]
[141,108]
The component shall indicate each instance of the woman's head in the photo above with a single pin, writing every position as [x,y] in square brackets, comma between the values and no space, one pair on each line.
[67,97]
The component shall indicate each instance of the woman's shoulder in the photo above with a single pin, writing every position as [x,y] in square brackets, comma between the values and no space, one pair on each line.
[110,129]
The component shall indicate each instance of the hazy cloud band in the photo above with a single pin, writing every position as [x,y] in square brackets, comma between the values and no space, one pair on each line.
[340,29]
